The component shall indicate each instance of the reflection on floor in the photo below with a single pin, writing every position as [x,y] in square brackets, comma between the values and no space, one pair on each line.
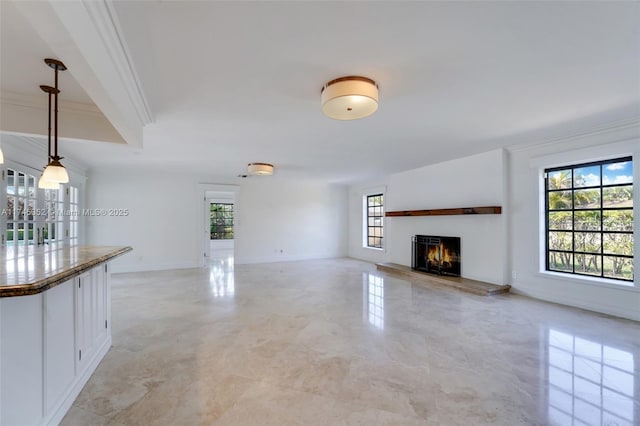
[221,279]
[336,342]
[590,383]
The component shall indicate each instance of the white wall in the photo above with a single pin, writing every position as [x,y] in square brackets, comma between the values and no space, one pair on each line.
[467,182]
[524,226]
[290,220]
[502,248]
[165,226]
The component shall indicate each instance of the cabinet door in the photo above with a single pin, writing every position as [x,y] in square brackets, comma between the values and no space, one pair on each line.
[59,324]
[92,314]
[84,321]
[100,305]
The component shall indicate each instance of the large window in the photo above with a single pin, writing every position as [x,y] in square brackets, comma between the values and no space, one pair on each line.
[221,217]
[589,219]
[375,220]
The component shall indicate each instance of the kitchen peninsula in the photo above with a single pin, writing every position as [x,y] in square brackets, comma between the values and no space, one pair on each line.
[55,327]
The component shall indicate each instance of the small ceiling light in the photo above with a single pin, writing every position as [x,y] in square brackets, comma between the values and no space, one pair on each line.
[349,98]
[260,169]
[55,171]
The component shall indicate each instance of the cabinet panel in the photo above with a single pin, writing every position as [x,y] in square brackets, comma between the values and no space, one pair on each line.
[59,326]
[21,358]
[91,296]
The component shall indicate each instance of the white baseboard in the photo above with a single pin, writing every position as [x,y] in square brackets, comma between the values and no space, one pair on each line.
[145,267]
[600,307]
[284,258]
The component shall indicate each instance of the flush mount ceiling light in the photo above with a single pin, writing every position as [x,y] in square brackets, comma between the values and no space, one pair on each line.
[55,171]
[349,98]
[260,169]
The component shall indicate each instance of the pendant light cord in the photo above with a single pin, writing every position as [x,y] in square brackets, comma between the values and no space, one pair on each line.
[56,113]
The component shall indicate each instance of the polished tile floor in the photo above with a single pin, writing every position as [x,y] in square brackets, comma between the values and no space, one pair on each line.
[334,342]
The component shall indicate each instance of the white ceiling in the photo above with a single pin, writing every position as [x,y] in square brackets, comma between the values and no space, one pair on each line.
[22,54]
[230,83]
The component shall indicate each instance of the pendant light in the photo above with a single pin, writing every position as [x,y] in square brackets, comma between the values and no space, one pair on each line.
[42,182]
[55,171]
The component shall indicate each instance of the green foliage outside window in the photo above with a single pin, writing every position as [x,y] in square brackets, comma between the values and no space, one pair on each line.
[221,220]
[590,219]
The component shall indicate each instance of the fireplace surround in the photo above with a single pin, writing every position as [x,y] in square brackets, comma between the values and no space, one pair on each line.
[436,255]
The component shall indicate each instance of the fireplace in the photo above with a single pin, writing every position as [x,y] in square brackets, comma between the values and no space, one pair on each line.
[436,254]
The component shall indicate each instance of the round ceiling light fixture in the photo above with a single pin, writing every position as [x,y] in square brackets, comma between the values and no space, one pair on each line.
[260,169]
[349,98]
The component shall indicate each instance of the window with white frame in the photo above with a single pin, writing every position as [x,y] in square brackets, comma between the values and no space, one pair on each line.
[20,209]
[589,219]
[374,214]
[33,216]
[54,219]
[74,215]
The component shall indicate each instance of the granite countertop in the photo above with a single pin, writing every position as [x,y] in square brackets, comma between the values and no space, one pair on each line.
[31,270]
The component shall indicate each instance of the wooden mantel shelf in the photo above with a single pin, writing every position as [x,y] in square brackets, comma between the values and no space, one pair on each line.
[447,212]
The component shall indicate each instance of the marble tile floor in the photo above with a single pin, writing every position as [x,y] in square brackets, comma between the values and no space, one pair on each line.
[335,342]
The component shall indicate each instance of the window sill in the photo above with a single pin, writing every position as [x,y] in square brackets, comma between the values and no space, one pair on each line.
[375,248]
[597,282]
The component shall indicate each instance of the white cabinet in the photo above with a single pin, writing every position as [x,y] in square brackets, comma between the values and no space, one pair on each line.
[50,344]
[91,323]
[21,369]
[59,337]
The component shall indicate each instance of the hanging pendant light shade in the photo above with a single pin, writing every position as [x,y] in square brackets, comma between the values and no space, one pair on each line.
[55,171]
[47,184]
[349,98]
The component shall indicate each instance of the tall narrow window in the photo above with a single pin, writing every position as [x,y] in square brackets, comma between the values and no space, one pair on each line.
[54,221]
[221,217]
[21,209]
[74,213]
[589,219]
[375,220]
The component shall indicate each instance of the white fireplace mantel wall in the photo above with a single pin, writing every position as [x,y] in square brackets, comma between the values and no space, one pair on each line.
[501,249]
[467,182]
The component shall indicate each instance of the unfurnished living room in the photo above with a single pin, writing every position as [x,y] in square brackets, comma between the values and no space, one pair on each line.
[319,213]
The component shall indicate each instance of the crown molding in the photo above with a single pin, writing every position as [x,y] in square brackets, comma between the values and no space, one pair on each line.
[105,19]
[630,124]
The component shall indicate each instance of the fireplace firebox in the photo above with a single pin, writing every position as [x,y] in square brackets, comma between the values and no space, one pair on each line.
[436,254]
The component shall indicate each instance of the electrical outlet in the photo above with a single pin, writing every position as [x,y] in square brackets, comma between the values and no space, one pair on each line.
[514,275]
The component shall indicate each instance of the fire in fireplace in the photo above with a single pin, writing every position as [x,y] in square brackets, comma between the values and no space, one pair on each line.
[436,254]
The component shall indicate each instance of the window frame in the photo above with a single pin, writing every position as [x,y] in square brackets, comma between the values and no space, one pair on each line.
[367,217]
[229,206]
[601,278]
